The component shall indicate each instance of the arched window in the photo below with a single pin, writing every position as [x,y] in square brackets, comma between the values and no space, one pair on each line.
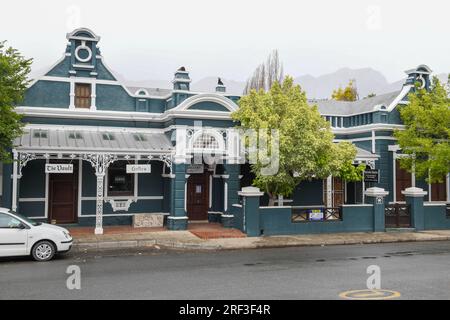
[205,141]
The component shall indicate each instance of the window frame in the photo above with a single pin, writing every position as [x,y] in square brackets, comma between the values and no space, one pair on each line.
[85,99]
[112,169]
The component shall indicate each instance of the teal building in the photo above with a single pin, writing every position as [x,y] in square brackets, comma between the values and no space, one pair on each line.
[97,152]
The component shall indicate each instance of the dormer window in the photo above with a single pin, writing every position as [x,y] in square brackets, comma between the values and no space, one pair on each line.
[82,95]
[40,134]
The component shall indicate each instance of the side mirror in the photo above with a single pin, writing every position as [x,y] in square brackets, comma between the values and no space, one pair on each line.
[21,226]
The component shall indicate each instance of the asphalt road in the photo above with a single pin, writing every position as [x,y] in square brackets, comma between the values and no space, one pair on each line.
[415,270]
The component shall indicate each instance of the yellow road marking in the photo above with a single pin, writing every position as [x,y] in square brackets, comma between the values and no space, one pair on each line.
[367,294]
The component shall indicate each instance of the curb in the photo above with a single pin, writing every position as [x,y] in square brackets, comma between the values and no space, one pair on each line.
[208,247]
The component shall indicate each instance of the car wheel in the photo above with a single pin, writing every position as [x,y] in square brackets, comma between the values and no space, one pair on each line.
[43,251]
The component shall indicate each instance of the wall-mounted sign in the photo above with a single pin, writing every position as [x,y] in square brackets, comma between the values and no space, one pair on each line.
[58,168]
[380,200]
[372,175]
[195,168]
[316,215]
[138,168]
[120,205]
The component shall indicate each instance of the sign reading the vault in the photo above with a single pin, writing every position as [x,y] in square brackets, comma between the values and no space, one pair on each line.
[372,175]
[138,168]
[58,168]
[195,168]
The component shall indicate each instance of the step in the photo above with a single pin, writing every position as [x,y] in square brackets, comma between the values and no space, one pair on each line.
[400,229]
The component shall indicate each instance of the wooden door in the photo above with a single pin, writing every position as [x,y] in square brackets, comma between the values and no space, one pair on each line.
[438,192]
[402,181]
[198,196]
[63,196]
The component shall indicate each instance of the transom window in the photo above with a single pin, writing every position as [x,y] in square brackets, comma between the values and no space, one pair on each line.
[82,95]
[120,183]
[206,141]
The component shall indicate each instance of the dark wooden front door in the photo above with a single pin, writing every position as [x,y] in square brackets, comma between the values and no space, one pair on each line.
[63,196]
[403,181]
[198,196]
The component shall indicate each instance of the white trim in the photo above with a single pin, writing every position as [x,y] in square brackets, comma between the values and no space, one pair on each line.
[373,142]
[210,190]
[405,91]
[357,205]
[368,128]
[210,97]
[47,191]
[185,196]
[120,115]
[124,198]
[120,214]
[70,35]
[447,187]
[435,203]
[31,199]
[80,185]
[225,197]
[178,218]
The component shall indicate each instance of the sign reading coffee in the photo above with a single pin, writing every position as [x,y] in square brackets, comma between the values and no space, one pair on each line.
[372,175]
[58,168]
[138,168]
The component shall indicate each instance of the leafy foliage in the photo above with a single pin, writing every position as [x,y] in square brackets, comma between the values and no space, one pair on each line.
[349,93]
[427,131]
[306,147]
[14,69]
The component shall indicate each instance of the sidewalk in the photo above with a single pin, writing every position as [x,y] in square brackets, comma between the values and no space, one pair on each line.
[188,241]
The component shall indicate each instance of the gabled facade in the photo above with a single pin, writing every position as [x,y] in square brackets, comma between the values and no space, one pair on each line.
[79,114]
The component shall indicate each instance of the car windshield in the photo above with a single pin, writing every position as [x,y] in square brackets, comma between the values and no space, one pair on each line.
[28,220]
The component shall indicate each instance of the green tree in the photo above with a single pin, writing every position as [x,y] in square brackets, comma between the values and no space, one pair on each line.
[306,148]
[349,93]
[426,135]
[14,69]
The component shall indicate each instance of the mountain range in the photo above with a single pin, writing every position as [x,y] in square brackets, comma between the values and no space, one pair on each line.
[367,81]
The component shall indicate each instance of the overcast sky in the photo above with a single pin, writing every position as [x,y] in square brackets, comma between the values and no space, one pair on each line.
[150,39]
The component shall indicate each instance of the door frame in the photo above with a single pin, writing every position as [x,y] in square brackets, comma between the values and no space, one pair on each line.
[77,190]
[206,196]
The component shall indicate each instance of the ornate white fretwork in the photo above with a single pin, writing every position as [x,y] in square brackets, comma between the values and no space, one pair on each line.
[100,162]
[24,158]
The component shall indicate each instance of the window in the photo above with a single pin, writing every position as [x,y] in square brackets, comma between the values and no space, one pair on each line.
[139,137]
[206,141]
[42,134]
[8,222]
[108,136]
[120,183]
[82,95]
[75,135]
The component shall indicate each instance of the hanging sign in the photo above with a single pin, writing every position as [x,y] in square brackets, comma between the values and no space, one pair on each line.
[372,175]
[195,168]
[58,168]
[138,168]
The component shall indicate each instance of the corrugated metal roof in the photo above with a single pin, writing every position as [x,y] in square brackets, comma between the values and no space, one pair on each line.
[95,139]
[346,108]
[364,154]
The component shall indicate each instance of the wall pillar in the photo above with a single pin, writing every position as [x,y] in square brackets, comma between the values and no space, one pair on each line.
[178,219]
[414,199]
[231,188]
[250,210]
[15,177]
[376,197]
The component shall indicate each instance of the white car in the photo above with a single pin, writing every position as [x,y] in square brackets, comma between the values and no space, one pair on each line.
[20,236]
